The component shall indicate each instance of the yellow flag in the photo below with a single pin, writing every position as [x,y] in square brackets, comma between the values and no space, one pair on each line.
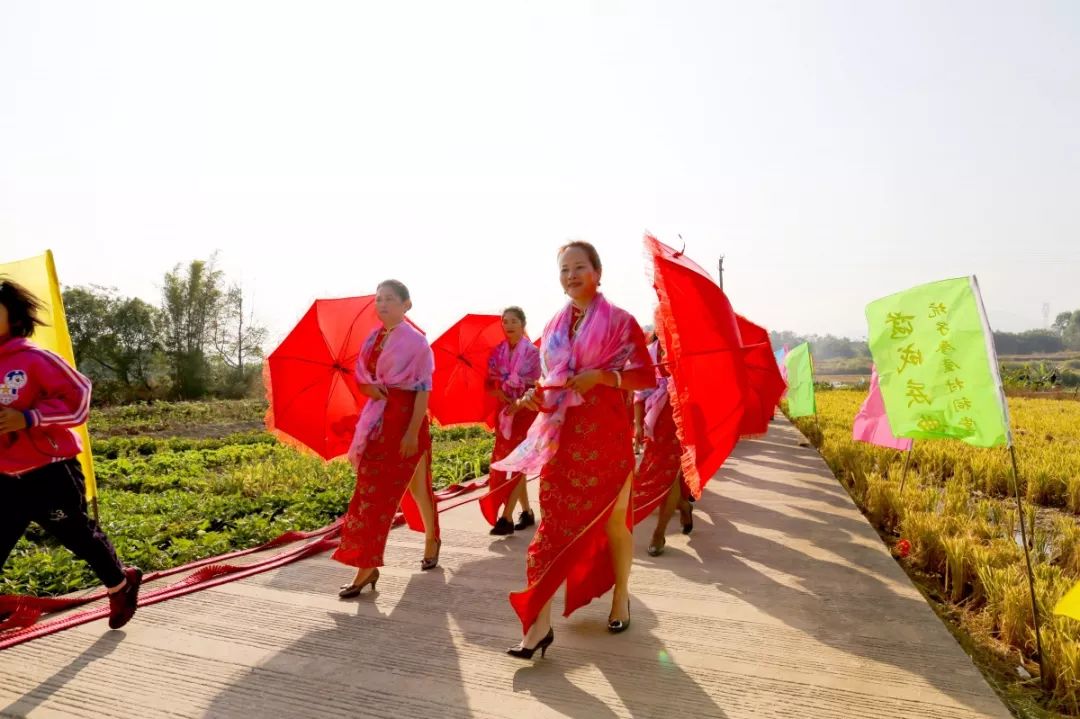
[38,274]
[1069,605]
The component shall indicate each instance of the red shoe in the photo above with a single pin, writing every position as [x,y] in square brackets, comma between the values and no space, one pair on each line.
[122,604]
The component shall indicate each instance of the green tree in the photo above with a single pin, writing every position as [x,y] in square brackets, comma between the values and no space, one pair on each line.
[114,338]
[238,340]
[135,339]
[1067,325]
[88,311]
[191,301]
[1030,342]
[825,346]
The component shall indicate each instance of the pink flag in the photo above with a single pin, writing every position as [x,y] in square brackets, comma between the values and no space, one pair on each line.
[780,355]
[872,424]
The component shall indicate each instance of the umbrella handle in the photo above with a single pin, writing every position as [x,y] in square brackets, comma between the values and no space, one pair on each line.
[540,389]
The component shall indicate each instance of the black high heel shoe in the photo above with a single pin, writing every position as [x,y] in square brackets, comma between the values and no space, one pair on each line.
[502,527]
[618,626]
[688,525]
[523,652]
[525,520]
[431,562]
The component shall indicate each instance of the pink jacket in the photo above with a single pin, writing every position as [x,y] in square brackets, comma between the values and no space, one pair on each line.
[53,398]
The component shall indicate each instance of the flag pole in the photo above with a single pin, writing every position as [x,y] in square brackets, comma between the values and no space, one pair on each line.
[904,471]
[1027,559]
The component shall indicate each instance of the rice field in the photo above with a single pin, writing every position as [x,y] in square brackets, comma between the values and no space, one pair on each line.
[956,525]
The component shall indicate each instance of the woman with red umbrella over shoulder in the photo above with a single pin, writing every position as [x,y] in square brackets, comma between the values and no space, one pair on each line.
[514,367]
[659,479]
[391,447]
[582,444]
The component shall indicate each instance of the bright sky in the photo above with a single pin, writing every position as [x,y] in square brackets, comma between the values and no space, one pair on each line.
[834,152]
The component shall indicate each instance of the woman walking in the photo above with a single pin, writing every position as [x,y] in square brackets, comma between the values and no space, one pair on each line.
[659,480]
[592,354]
[391,448]
[513,368]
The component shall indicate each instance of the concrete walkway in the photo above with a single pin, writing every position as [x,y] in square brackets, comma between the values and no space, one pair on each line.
[782,603]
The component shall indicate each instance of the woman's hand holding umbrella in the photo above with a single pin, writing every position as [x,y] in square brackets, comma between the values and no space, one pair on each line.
[585,381]
[639,436]
[529,400]
[373,391]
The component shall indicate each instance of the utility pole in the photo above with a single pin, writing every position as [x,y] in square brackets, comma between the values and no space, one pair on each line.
[721,272]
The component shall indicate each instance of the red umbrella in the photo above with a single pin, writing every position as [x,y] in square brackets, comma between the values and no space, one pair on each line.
[310,380]
[764,384]
[708,379]
[461,364]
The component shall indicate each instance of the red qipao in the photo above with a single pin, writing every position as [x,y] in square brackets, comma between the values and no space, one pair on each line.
[662,458]
[400,360]
[583,448]
[513,371]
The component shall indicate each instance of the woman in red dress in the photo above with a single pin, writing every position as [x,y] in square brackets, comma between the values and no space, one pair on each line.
[514,366]
[659,480]
[582,444]
[391,448]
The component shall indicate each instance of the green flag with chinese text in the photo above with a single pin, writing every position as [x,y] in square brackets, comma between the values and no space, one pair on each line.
[938,369]
[800,379]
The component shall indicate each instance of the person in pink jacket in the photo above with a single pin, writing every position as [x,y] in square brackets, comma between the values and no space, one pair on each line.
[41,400]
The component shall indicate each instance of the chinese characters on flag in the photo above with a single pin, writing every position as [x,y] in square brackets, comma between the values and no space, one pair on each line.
[937,365]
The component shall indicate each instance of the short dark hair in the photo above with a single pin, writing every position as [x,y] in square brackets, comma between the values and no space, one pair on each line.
[397,286]
[23,307]
[516,311]
[587,248]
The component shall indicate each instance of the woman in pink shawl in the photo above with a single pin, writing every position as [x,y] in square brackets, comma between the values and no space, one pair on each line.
[391,448]
[514,367]
[582,445]
[659,480]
